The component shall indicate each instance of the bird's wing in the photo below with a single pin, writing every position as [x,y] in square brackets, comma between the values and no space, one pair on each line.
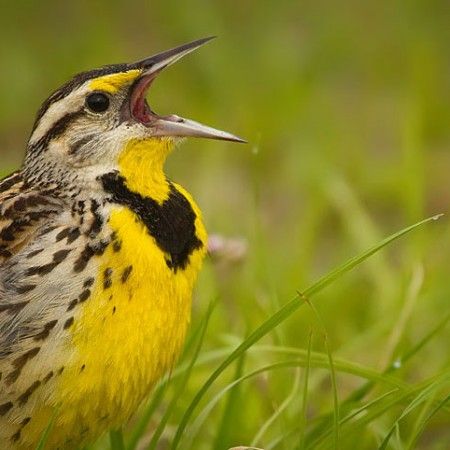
[23,213]
[32,287]
[27,217]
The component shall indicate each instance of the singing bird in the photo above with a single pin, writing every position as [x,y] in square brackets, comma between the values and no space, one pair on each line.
[99,254]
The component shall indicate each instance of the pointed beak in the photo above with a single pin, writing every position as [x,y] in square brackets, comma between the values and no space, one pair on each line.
[170,125]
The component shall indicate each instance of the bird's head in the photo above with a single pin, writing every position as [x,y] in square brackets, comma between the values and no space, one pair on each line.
[101,117]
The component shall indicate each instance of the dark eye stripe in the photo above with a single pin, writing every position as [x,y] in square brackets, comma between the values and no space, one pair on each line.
[58,128]
[74,83]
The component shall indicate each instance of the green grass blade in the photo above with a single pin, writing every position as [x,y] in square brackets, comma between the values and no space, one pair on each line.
[265,426]
[206,411]
[399,362]
[231,411]
[335,396]
[410,299]
[333,377]
[282,314]
[355,261]
[427,338]
[415,436]
[317,360]
[325,440]
[296,430]
[417,400]
[116,440]
[46,434]
[320,360]
[304,405]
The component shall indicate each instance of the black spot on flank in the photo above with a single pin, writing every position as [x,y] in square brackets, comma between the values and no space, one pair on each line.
[5,408]
[80,206]
[73,235]
[47,230]
[107,282]
[84,295]
[61,369]
[23,203]
[25,288]
[84,258]
[62,234]
[126,273]
[58,258]
[171,224]
[82,367]
[25,421]
[34,253]
[72,305]
[100,248]
[60,255]
[97,221]
[16,436]
[48,377]
[41,270]
[26,395]
[8,234]
[88,282]
[19,364]
[68,323]
[70,233]
[88,252]
[46,331]
[114,310]
[117,246]
[5,253]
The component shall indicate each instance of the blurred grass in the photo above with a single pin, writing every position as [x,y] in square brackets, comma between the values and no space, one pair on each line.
[346,107]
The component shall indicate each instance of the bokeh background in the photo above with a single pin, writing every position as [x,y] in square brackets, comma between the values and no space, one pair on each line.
[346,107]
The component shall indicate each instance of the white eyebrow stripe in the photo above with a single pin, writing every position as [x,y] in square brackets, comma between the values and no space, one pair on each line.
[57,110]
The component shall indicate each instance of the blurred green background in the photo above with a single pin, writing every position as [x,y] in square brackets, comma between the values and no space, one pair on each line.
[346,109]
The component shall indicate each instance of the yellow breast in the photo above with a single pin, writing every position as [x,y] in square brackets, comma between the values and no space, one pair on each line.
[128,334]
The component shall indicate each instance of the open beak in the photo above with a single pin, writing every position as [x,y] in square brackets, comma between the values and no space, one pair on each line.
[171,125]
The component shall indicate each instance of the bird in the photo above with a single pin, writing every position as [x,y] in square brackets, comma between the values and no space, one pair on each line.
[99,255]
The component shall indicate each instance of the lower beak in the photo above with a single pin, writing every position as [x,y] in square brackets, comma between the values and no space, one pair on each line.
[171,125]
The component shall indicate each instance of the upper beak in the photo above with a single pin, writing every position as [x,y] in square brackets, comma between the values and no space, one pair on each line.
[171,125]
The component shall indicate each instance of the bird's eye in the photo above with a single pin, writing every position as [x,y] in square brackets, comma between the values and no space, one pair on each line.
[97,102]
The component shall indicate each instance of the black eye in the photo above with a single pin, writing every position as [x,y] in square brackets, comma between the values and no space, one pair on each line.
[97,102]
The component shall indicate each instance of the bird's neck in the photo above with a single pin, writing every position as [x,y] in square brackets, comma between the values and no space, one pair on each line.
[141,164]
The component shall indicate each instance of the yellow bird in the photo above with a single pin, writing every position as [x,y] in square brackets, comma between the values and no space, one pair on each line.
[99,253]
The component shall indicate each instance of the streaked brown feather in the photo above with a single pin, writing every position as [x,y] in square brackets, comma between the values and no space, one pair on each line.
[23,211]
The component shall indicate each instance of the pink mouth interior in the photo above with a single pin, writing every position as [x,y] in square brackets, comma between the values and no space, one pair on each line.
[139,107]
